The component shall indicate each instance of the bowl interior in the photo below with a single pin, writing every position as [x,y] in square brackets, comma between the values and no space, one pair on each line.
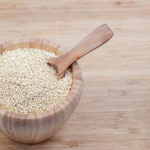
[48,46]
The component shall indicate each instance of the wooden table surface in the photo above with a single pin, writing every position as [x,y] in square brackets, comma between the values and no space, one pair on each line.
[114,112]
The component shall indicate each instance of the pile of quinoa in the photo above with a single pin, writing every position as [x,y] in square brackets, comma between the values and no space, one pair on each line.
[28,84]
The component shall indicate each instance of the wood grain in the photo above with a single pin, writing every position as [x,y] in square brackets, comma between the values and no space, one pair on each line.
[114,112]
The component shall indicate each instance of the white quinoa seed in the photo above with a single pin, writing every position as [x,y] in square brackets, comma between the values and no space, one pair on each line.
[28,84]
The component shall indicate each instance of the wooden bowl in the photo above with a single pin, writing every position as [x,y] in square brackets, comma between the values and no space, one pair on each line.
[35,128]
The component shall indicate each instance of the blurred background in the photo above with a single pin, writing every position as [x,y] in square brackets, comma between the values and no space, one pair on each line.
[114,110]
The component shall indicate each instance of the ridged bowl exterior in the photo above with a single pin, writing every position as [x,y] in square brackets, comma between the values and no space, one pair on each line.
[35,128]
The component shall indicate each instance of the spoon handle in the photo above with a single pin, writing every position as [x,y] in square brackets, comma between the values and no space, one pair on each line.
[95,39]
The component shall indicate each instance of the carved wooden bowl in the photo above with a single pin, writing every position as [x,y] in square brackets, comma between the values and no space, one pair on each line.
[35,128]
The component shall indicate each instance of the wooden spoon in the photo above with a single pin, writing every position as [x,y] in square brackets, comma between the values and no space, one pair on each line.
[95,39]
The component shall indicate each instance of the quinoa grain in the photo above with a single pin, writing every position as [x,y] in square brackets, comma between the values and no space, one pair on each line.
[28,84]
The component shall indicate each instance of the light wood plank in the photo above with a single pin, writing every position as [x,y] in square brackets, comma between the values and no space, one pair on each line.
[114,112]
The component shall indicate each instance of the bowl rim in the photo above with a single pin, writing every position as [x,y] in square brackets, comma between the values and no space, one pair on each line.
[76,77]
